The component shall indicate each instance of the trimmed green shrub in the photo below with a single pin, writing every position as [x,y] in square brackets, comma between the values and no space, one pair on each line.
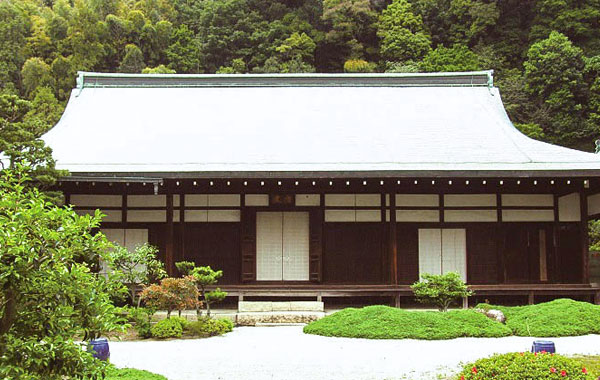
[167,328]
[131,374]
[182,322]
[384,322]
[561,317]
[206,327]
[141,319]
[440,289]
[525,366]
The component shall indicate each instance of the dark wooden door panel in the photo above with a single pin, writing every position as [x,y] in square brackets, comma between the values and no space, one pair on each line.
[569,254]
[217,245]
[315,245]
[408,254]
[482,254]
[248,246]
[353,253]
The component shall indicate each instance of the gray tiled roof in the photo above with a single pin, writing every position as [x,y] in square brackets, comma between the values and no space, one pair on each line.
[374,124]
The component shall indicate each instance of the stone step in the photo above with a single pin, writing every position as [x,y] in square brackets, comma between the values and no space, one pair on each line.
[274,306]
[277,318]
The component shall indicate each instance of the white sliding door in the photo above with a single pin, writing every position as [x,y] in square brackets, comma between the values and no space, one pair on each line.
[430,250]
[269,246]
[282,246]
[129,238]
[442,251]
[454,251]
[295,246]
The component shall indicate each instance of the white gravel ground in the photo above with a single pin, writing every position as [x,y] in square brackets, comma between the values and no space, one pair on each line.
[263,353]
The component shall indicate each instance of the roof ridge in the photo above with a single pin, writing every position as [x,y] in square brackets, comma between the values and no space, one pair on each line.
[440,79]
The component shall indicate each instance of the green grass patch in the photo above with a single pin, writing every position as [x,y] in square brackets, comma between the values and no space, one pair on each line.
[561,317]
[384,322]
[592,363]
[131,374]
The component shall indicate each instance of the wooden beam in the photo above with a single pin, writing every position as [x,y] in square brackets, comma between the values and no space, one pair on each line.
[393,241]
[585,254]
[169,254]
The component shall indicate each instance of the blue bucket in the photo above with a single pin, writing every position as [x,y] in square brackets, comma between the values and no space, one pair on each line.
[543,345]
[99,348]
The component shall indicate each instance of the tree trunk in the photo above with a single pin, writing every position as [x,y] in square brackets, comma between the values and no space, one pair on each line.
[10,310]
[206,302]
[198,312]
[132,294]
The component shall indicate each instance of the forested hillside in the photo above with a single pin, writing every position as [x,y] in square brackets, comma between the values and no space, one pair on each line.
[545,53]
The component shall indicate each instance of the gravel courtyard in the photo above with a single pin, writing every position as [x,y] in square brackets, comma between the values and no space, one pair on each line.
[262,353]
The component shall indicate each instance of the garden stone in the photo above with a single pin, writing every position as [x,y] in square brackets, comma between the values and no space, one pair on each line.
[494,314]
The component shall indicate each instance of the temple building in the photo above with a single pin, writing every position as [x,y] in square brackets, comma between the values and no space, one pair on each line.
[330,185]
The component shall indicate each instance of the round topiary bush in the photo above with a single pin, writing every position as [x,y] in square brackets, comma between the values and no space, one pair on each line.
[167,328]
[207,326]
[525,366]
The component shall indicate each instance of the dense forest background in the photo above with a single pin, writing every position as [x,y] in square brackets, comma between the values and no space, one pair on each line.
[545,53]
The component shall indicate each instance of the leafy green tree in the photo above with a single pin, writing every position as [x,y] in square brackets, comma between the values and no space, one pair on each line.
[22,122]
[185,268]
[229,29]
[183,52]
[402,33]
[39,43]
[137,268]
[36,73]
[48,296]
[577,19]
[298,45]
[64,72]
[402,67]
[455,58]
[358,66]
[86,38]
[554,79]
[238,66]
[160,69]
[133,62]
[13,31]
[295,55]
[440,290]
[154,40]
[203,277]
[352,32]
[450,22]
[531,130]
[591,73]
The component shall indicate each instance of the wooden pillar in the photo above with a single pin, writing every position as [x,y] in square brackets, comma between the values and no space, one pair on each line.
[393,243]
[584,233]
[169,254]
[124,207]
[181,254]
[465,302]
[531,298]
[499,235]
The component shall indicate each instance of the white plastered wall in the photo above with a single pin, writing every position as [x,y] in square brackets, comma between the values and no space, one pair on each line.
[569,209]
